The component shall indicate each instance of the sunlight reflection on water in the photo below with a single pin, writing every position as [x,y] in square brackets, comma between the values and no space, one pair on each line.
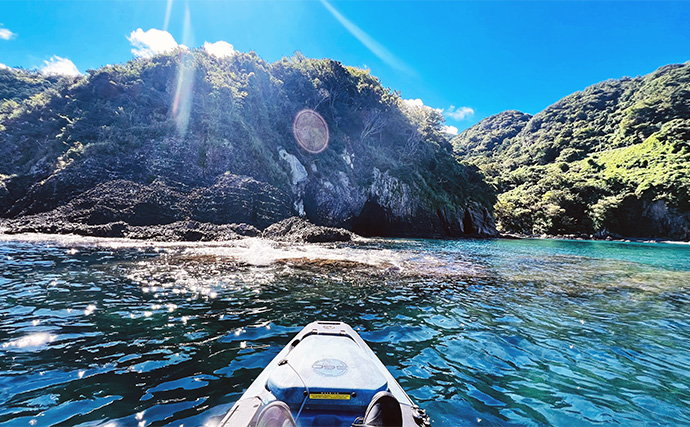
[30,342]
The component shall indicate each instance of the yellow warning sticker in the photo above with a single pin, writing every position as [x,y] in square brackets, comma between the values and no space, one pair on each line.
[330,395]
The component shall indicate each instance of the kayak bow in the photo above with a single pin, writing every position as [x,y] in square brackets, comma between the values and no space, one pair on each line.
[326,376]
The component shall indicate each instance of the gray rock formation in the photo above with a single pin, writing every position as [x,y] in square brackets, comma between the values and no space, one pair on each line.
[299,230]
[116,208]
[186,231]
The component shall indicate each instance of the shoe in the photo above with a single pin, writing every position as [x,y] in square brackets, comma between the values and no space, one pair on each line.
[383,411]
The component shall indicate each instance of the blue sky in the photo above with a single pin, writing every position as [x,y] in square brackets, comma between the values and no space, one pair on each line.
[479,57]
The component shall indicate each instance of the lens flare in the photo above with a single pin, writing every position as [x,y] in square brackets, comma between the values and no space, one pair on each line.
[311,131]
[182,103]
[168,9]
[374,46]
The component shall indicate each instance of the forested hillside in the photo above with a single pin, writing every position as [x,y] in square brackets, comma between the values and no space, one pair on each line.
[190,136]
[613,159]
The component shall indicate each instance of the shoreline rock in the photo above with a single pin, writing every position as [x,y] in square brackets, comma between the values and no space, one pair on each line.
[299,230]
[180,231]
[593,237]
[294,229]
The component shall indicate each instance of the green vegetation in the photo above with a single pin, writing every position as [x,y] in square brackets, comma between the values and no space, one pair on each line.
[612,159]
[18,85]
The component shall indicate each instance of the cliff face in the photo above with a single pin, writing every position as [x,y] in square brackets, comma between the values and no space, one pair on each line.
[188,136]
[613,159]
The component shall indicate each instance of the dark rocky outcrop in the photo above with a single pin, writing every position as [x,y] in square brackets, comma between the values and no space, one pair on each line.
[293,230]
[231,199]
[299,230]
[45,223]
[642,219]
[180,231]
[122,208]
[189,231]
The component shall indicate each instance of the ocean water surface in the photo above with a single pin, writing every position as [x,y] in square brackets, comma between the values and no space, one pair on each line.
[479,332]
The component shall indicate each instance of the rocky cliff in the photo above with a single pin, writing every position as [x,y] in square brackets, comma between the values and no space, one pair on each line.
[191,137]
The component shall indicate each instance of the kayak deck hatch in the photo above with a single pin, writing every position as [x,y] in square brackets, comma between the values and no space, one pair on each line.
[332,370]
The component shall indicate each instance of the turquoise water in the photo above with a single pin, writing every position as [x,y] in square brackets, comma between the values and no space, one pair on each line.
[479,332]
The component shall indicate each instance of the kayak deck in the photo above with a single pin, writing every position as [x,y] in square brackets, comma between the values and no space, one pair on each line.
[327,375]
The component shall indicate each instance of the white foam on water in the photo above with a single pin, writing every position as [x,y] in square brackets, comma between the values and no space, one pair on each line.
[260,252]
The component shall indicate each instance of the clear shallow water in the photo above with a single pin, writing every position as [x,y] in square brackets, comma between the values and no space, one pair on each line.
[479,332]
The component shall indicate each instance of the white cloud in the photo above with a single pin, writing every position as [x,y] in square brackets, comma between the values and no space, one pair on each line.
[452,130]
[57,66]
[6,34]
[219,49]
[418,103]
[151,43]
[413,103]
[460,113]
